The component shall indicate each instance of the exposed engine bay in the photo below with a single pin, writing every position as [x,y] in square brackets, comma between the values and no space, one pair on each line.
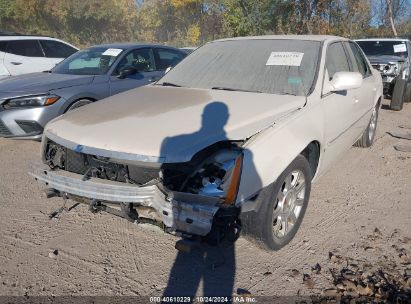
[208,174]
[205,175]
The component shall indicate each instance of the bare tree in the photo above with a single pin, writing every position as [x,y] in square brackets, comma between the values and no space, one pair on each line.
[391,16]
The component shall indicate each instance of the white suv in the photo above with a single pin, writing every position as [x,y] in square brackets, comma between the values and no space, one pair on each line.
[29,54]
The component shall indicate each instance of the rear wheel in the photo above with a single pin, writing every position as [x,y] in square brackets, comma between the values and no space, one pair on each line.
[368,136]
[282,207]
[398,95]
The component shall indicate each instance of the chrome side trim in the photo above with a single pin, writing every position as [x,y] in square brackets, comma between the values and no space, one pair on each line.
[343,132]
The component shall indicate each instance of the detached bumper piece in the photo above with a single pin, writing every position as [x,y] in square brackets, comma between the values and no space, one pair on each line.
[179,212]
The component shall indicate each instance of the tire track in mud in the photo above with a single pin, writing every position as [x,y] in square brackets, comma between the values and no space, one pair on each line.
[17,240]
[42,230]
[273,263]
[121,227]
[108,230]
[64,258]
[295,255]
[99,269]
[111,230]
[31,254]
[55,275]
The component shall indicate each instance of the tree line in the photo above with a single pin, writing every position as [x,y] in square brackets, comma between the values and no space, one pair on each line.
[193,22]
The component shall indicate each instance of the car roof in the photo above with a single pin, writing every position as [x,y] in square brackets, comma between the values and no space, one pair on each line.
[382,39]
[288,37]
[131,45]
[4,36]
[24,37]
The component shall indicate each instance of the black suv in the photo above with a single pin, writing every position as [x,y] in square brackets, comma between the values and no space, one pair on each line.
[391,57]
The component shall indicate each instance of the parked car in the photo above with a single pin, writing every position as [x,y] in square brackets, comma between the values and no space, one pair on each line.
[28,102]
[231,138]
[392,58]
[28,54]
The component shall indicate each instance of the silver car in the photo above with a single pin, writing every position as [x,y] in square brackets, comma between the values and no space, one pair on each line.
[28,102]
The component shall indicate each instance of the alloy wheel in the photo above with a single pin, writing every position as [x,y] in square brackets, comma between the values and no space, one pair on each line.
[289,203]
[373,124]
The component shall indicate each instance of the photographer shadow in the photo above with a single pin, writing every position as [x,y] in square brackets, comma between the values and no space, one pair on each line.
[211,267]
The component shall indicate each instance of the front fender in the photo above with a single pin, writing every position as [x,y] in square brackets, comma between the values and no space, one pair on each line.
[268,154]
[81,92]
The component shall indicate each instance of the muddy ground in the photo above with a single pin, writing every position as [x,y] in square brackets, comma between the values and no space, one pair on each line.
[97,254]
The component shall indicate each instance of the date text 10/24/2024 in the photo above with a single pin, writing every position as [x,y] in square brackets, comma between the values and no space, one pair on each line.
[203,299]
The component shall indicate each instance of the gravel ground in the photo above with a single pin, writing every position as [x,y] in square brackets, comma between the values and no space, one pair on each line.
[97,254]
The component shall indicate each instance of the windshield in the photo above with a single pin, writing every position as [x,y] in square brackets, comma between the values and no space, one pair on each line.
[93,61]
[255,65]
[380,48]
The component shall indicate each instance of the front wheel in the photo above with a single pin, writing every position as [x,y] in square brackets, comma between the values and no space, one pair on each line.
[283,206]
[79,103]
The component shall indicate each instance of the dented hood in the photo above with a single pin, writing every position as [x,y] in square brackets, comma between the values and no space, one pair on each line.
[167,124]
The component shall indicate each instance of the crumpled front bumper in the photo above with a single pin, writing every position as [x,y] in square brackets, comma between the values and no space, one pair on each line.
[181,212]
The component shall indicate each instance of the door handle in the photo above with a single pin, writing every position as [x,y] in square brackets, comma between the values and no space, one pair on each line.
[15,63]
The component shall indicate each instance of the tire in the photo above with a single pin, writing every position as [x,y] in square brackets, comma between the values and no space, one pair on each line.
[398,95]
[408,93]
[282,203]
[367,138]
[78,103]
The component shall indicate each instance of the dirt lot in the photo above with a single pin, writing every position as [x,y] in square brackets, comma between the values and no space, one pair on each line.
[98,254]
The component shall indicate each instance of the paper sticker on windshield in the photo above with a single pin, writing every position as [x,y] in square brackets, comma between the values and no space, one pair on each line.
[399,48]
[285,58]
[112,52]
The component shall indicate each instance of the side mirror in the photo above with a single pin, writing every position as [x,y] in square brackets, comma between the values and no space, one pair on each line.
[126,71]
[345,81]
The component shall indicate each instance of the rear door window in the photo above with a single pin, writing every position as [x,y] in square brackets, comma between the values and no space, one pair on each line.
[28,48]
[336,60]
[168,58]
[56,49]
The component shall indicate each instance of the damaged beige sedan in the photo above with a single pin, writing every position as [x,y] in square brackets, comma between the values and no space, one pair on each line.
[229,140]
